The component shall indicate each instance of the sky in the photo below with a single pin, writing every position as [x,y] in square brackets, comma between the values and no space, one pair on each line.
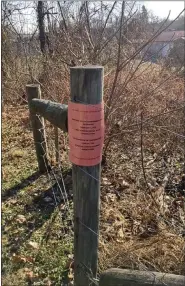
[161,8]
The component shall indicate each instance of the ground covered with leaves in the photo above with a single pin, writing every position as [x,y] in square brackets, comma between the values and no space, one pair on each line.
[142,208]
[143,227]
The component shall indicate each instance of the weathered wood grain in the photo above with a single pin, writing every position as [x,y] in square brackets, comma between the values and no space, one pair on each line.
[128,277]
[55,113]
[87,88]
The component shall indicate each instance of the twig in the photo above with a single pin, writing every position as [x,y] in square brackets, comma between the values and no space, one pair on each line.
[88,25]
[142,155]
[118,60]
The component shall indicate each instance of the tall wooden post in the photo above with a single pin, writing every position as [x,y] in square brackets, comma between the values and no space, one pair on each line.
[33,91]
[86,88]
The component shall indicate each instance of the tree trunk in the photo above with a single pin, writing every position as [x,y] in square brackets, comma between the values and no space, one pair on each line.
[42,34]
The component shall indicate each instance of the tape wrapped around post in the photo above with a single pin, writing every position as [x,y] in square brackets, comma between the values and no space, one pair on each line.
[86,133]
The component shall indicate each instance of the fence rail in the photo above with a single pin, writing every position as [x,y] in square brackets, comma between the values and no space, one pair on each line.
[128,277]
[55,113]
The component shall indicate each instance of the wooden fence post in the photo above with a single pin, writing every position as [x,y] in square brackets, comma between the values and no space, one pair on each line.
[86,88]
[33,91]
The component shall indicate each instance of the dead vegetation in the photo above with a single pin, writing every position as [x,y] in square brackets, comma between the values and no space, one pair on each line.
[143,185]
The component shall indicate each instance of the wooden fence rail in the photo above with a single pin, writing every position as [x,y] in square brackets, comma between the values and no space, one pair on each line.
[55,113]
[127,277]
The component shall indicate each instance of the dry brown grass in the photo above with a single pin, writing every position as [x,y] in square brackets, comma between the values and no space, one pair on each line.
[142,221]
[135,236]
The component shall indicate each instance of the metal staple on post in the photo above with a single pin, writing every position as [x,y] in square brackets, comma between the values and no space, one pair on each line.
[33,91]
[86,88]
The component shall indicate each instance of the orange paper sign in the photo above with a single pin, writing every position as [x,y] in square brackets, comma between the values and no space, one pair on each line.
[86,133]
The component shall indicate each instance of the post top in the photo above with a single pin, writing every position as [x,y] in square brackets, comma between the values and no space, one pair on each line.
[33,85]
[87,67]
